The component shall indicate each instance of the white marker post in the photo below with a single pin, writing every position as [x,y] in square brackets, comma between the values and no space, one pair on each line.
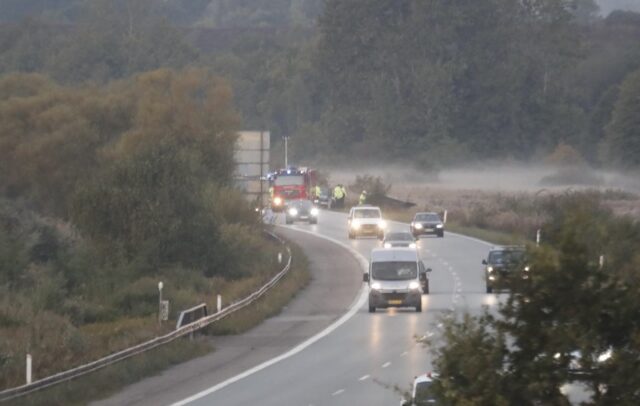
[444,220]
[538,234]
[29,359]
[601,261]
[279,257]
[219,303]
[160,286]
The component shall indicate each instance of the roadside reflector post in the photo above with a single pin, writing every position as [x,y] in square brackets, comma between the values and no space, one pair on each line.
[279,257]
[538,234]
[219,303]
[601,261]
[444,220]
[29,359]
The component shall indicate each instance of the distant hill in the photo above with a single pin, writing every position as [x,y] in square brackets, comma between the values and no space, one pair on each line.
[207,13]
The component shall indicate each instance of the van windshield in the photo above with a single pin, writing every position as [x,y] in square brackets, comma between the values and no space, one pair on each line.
[394,271]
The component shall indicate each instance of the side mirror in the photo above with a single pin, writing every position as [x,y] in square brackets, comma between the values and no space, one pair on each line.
[365,277]
[484,262]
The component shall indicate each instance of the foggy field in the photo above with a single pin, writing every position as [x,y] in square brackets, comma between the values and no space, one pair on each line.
[462,190]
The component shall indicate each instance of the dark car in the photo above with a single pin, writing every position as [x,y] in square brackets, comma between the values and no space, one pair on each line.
[504,263]
[399,239]
[427,223]
[301,210]
[324,198]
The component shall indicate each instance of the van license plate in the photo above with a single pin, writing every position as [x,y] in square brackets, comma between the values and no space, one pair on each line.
[395,302]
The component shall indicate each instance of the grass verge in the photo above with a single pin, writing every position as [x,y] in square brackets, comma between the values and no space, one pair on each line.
[111,379]
[492,236]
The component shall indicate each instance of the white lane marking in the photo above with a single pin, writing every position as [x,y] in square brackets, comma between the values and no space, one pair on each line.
[357,304]
[364,378]
[338,392]
[386,364]
[404,354]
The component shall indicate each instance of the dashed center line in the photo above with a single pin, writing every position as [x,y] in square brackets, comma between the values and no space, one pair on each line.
[386,364]
[364,378]
[404,353]
[338,392]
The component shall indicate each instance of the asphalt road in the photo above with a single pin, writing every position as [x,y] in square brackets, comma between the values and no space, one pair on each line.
[368,357]
[330,294]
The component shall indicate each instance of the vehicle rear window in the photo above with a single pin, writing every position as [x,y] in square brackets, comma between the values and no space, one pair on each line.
[399,237]
[424,394]
[394,271]
[290,180]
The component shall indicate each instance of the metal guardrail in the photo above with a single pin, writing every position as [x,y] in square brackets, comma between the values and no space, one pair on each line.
[67,375]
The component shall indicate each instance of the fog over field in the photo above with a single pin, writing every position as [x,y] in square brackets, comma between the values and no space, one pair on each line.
[607,6]
[494,177]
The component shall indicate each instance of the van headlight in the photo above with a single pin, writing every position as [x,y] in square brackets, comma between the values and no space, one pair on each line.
[376,286]
[293,212]
[439,226]
[355,224]
[314,211]
[413,285]
[417,226]
[489,269]
[412,245]
[382,224]
[387,245]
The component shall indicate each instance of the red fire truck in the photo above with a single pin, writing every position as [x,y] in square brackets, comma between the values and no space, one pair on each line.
[291,184]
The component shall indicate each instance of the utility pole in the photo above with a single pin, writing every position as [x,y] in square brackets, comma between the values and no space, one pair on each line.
[286,152]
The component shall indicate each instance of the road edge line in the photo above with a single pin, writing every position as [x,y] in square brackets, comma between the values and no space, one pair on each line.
[355,306]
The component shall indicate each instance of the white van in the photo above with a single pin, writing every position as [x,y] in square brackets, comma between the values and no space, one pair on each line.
[397,277]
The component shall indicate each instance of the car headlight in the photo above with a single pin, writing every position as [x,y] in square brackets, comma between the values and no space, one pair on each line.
[417,226]
[413,285]
[355,224]
[489,269]
[526,269]
[492,278]
[376,286]
[314,211]
[293,211]
[387,245]
[382,224]
[439,226]
[277,200]
[412,245]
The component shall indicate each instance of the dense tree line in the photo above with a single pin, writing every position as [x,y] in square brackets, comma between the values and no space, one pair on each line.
[574,321]
[432,81]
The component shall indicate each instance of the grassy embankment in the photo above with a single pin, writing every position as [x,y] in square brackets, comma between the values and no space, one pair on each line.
[109,380]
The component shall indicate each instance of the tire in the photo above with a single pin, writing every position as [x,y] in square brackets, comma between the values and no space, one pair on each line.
[372,309]
[419,307]
[489,289]
[352,236]
[313,221]
[288,221]
[425,290]
[441,234]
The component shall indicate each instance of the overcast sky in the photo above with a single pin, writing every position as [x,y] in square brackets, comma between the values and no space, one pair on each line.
[607,6]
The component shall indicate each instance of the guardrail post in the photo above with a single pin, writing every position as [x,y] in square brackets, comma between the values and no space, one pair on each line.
[29,368]
[219,303]
[444,220]
[601,261]
[538,235]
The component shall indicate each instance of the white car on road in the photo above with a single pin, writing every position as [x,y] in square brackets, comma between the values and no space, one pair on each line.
[366,220]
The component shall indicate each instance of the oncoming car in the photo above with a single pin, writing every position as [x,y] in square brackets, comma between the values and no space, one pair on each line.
[366,220]
[301,210]
[422,391]
[395,278]
[427,223]
[504,263]
[399,239]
